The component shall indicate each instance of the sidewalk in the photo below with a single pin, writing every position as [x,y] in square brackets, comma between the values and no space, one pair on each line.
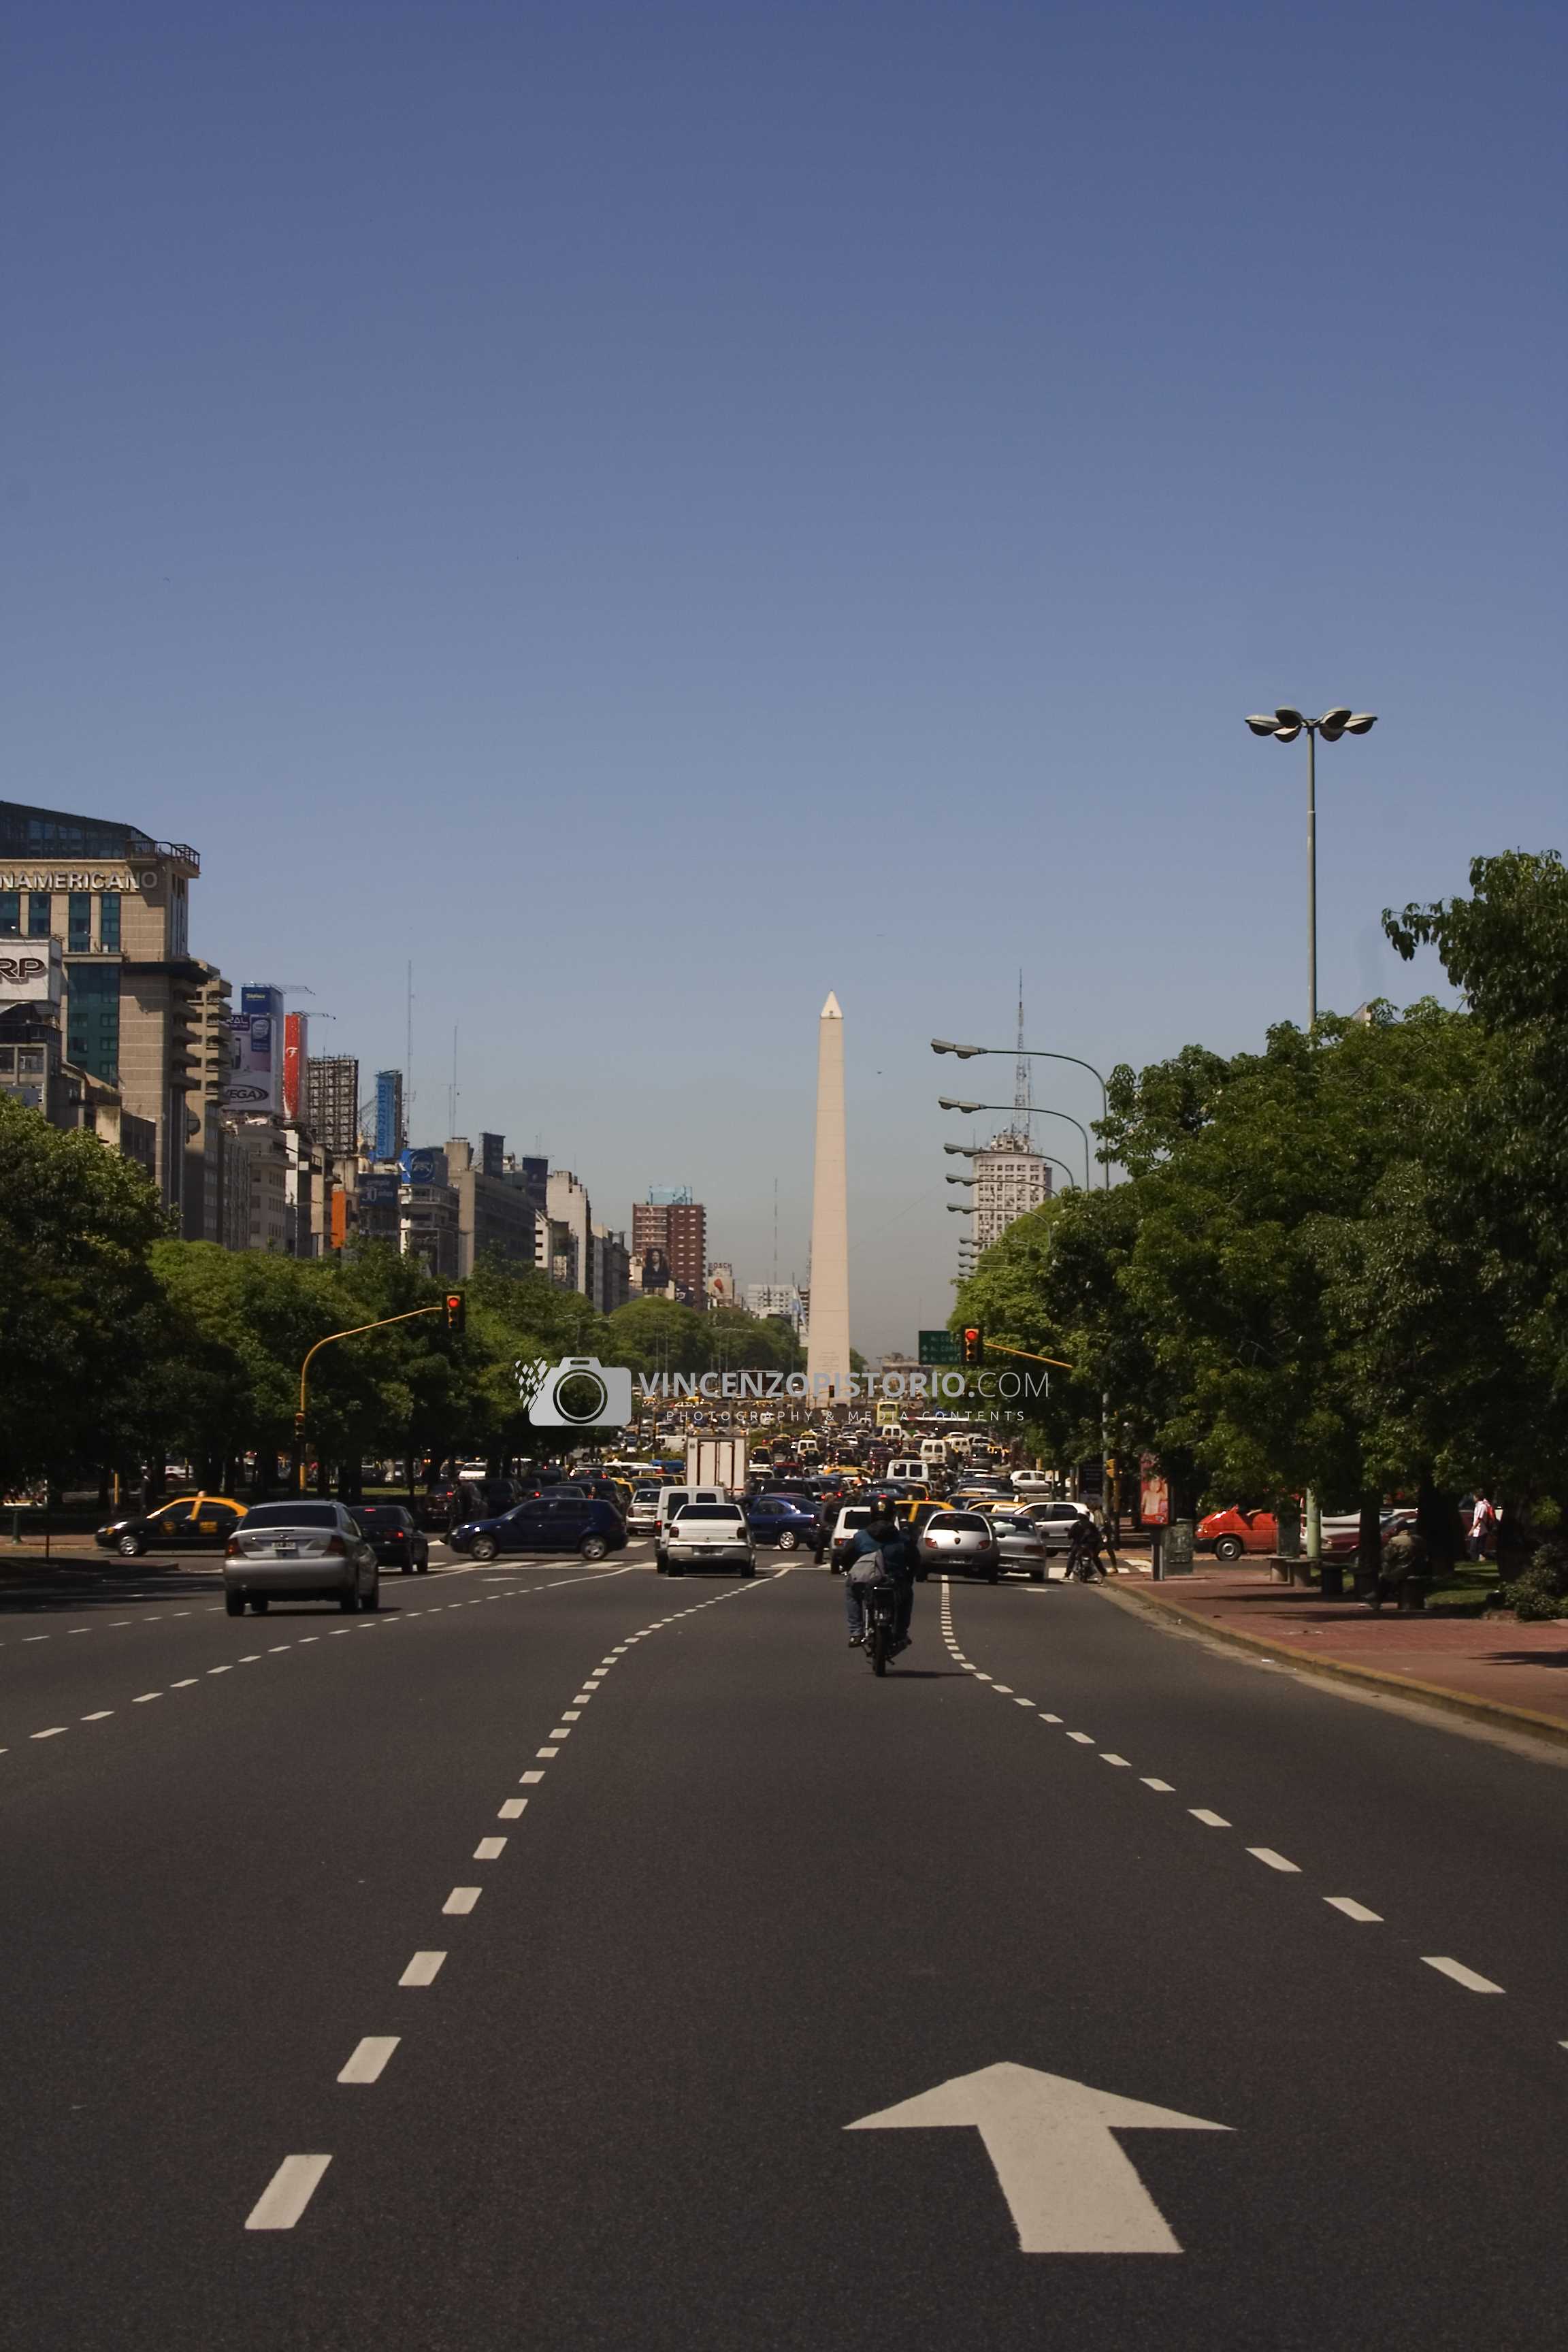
[1485,1666]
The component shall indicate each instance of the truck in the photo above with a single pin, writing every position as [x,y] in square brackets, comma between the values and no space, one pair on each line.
[717,1462]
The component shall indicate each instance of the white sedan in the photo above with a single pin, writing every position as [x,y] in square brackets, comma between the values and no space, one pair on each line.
[709,1535]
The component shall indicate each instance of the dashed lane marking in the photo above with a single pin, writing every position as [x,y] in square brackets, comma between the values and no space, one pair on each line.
[1265,1854]
[423,1968]
[1209,1820]
[288,2192]
[461,1901]
[489,1849]
[368,2060]
[1460,1974]
[1160,1788]
[513,1809]
[1353,1910]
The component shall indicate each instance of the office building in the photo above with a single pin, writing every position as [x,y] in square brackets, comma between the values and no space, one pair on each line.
[571,1216]
[766,1298]
[494,1216]
[331,1095]
[118,901]
[671,1221]
[202,1216]
[1010,1179]
[391,1119]
[611,1281]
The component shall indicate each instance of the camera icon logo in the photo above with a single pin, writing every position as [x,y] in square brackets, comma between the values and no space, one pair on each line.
[579,1392]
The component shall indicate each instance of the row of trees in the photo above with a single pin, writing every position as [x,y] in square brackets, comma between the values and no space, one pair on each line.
[125,1346]
[1342,1262]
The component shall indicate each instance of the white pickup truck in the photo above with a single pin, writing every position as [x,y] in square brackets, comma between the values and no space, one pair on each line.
[709,1535]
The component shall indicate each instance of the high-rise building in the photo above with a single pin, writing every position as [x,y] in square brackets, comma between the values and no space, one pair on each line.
[493,1215]
[1010,1179]
[671,1221]
[333,1099]
[766,1298]
[118,901]
[391,1118]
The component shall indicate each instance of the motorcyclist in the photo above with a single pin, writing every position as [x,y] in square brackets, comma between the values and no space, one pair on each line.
[1085,1546]
[881,1534]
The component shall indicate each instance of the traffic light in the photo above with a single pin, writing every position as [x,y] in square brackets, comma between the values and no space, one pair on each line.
[974,1345]
[457,1312]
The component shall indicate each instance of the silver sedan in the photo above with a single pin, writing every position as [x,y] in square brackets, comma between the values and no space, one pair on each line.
[959,1543]
[1020,1543]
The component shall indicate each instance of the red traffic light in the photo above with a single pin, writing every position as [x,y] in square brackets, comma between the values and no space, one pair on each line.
[973,1344]
[457,1310]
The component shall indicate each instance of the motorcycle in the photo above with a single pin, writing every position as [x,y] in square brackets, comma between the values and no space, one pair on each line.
[1084,1564]
[880,1605]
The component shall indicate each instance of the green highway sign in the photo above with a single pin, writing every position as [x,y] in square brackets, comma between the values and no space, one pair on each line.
[939,1348]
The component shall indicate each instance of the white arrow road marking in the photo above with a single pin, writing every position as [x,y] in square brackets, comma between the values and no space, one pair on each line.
[1068,2186]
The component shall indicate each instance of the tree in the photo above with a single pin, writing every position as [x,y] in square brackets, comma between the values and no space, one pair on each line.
[77,1223]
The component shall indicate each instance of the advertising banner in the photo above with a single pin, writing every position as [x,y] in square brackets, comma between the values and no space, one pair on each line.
[256,1063]
[30,972]
[296,1063]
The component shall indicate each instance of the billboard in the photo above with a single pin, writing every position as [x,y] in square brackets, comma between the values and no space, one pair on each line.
[378,1192]
[255,1080]
[30,974]
[295,1065]
[424,1166]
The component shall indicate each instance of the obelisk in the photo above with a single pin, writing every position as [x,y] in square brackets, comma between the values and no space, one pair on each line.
[827,1343]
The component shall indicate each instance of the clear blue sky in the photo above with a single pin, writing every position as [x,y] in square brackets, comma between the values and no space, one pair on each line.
[658,511]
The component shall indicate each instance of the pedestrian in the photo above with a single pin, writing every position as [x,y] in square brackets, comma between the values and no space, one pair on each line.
[1404,1560]
[1482,1536]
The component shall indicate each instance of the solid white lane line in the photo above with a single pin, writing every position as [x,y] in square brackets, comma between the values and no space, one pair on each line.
[101,1716]
[53,1732]
[512,1811]
[1265,1854]
[145,1696]
[460,1901]
[1353,1909]
[1084,1738]
[1160,1788]
[1107,1758]
[489,1849]
[423,1968]
[1210,1821]
[369,2058]
[288,2192]
[1460,1974]
[547,1751]
[220,1670]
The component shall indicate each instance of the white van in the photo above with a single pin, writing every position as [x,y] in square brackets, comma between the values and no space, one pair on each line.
[672,1500]
[907,1465]
[934,1453]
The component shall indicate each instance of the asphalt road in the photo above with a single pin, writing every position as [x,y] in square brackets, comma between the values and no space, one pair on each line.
[506,1969]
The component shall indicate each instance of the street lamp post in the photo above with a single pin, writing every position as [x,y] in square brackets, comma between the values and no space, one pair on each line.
[967,1053]
[967,1150]
[1285,726]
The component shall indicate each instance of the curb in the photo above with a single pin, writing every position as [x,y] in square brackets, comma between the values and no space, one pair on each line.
[1480,1710]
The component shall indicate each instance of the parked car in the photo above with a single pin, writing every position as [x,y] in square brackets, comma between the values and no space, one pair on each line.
[788,1520]
[709,1535]
[1231,1532]
[397,1543]
[299,1551]
[562,1520]
[1020,1543]
[189,1523]
[960,1543]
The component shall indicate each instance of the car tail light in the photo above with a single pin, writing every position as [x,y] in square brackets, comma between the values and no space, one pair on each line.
[233,1549]
[337,1544]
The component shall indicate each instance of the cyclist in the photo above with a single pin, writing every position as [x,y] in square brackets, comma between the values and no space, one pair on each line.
[880,1535]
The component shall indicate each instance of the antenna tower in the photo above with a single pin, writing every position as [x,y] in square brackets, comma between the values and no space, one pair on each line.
[1022,1104]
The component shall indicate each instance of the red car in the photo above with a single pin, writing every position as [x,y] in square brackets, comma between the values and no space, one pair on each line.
[1229,1533]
